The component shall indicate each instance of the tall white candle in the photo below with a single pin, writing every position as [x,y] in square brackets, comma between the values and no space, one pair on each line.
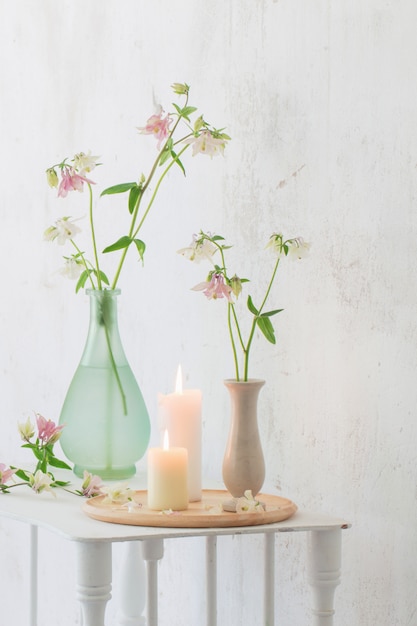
[180,414]
[167,478]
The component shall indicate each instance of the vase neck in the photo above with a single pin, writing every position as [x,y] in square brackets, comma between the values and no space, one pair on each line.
[103,306]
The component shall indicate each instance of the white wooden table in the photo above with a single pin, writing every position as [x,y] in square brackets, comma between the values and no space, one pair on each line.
[93,544]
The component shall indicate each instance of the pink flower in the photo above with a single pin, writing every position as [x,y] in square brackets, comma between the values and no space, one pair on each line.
[71,181]
[5,473]
[48,432]
[92,485]
[158,126]
[206,143]
[215,288]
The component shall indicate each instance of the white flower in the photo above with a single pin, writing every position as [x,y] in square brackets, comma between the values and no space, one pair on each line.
[41,482]
[298,248]
[72,268]
[26,430]
[207,143]
[199,249]
[248,504]
[84,163]
[63,230]
[276,244]
[119,494]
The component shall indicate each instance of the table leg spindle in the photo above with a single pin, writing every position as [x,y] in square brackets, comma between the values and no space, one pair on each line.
[133,586]
[269,579]
[153,551]
[33,593]
[93,580]
[325,556]
[211,579]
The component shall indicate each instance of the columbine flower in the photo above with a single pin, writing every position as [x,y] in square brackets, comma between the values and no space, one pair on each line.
[215,288]
[157,125]
[71,181]
[41,482]
[48,431]
[92,485]
[85,163]
[118,494]
[198,249]
[248,504]
[26,430]
[63,231]
[5,473]
[52,177]
[276,244]
[206,143]
[72,268]
[298,248]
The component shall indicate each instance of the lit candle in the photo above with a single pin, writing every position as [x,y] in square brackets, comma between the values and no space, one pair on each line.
[167,478]
[180,414]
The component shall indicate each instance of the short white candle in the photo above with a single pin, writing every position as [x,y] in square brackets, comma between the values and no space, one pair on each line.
[180,414]
[167,478]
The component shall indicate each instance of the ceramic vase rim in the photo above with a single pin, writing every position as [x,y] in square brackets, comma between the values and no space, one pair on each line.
[233,381]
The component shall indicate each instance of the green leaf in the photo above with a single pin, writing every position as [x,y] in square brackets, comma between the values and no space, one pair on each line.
[177,108]
[164,156]
[61,483]
[122,188]
[251,306]
[176,159]
[271,313]
[58,463]
[133,197]
[217,238]
[22,474]
[123,242]
[187,111]
[38,453]
[103,277]
[82,280]
[141,246]
[265,326]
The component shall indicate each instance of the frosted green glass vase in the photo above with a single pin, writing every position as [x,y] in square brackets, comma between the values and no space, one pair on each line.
[107,425]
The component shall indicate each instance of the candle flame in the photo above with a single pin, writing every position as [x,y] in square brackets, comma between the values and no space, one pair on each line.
[178,383]
[166,440]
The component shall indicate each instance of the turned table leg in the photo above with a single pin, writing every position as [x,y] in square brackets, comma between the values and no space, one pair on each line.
[93,580]
[325,557]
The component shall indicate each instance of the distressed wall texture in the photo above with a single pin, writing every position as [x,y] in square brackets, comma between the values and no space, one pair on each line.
[319,97]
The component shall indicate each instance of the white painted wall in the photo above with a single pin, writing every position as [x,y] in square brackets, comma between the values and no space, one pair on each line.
[323,89]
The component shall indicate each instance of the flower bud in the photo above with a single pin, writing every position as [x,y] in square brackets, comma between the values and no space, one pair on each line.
[52,177]
[180,88]
[236,285]
[26,430]
[198,124]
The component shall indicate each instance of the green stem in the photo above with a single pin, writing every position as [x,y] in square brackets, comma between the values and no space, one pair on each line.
[229,323]
[81,255]
[252,331]
[133,229]
[93,236]
[112,360]
[164,173]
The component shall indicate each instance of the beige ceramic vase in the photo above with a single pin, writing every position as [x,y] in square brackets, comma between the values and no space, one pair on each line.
[243,463]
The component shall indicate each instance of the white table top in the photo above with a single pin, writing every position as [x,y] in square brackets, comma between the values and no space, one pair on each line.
[63,515]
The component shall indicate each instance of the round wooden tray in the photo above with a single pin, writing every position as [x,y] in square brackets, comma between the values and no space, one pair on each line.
[204,514]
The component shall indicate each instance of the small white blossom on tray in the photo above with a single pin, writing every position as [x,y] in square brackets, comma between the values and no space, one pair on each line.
[248,504]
